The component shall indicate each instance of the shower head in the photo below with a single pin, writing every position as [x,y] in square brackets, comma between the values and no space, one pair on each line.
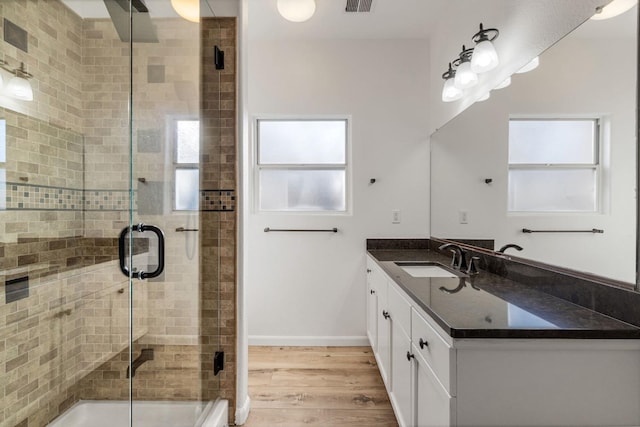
[138,5]
[143,29]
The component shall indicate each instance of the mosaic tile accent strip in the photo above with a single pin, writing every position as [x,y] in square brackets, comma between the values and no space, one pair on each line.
[21,196]
[107,200]
[218,200]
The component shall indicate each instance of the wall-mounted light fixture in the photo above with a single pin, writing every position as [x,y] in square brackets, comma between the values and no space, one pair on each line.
[463,71]
[465,77]
[615,8]
[485,57]
[18,86]
[504,84]
[532,65]
[484,97]
[187,9]
[296,10]
[450,92]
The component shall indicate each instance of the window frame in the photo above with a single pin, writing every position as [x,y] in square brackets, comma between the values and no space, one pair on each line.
[175,165]
[596,166]
[258,167]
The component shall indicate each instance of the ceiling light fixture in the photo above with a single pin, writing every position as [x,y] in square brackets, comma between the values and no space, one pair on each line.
[465,77]
[485,57]
[615,8]
[450,92]
[532,65]
[187,9]
[296,10]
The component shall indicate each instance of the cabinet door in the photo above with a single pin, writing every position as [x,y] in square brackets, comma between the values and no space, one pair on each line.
[401,374]
[433,406]
[384,337]
[372,311]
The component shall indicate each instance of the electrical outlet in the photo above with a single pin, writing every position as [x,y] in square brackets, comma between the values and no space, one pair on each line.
[463,217]
[395,216]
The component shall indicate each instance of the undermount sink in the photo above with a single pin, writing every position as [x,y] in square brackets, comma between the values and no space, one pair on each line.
[425,269]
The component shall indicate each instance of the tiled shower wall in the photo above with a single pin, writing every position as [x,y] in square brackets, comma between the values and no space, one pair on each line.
[43,140]
[218,227]
[53,56]
[43,195]
[44,337]
[166,87]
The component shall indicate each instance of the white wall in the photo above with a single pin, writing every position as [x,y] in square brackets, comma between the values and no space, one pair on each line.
[309,288]
[577,77]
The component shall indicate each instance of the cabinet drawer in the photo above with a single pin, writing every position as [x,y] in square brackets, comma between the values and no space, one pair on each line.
[399,308]
[433,405]
[435,351]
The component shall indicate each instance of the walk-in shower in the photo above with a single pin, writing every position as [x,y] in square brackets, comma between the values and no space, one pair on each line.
[117,206]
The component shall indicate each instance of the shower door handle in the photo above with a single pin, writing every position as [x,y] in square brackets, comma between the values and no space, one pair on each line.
[140,228]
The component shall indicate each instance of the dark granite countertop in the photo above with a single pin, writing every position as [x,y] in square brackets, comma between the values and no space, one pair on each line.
[490,306]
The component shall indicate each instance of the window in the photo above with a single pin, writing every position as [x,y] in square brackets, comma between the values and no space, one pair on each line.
[186,175]
[302,165]
[554,165]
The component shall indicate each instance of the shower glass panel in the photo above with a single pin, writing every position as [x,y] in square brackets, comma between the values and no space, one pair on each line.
[110,163]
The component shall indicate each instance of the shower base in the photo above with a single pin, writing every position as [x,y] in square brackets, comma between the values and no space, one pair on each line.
[110,413]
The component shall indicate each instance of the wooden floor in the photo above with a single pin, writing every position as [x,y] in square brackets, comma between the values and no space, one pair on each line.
[316,386]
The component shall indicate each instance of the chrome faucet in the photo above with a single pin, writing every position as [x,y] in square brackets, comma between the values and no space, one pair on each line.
[459,260]
[507,246]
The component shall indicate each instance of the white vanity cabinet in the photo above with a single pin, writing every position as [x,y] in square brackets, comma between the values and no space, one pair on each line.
[378,319]
[434,380]
[372,307]
[401,359]
[433,373]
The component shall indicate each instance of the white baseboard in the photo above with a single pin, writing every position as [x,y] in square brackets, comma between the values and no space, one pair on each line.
[242,412]
[289,341]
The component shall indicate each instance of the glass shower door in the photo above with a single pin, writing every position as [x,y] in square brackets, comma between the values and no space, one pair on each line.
[172,240]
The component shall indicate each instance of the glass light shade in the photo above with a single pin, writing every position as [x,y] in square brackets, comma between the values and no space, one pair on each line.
[296,10]
[615,8]
[532,65]
[485,57]
[20,88]
[187,9]
[484,97]
[450,92]
[504,84]
[465,78]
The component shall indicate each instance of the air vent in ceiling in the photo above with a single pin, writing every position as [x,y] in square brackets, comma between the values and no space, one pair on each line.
[359,5]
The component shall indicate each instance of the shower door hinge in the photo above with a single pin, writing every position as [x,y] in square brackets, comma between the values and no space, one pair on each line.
[218,362]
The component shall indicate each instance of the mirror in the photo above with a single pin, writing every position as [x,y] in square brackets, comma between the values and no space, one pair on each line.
[503,165]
